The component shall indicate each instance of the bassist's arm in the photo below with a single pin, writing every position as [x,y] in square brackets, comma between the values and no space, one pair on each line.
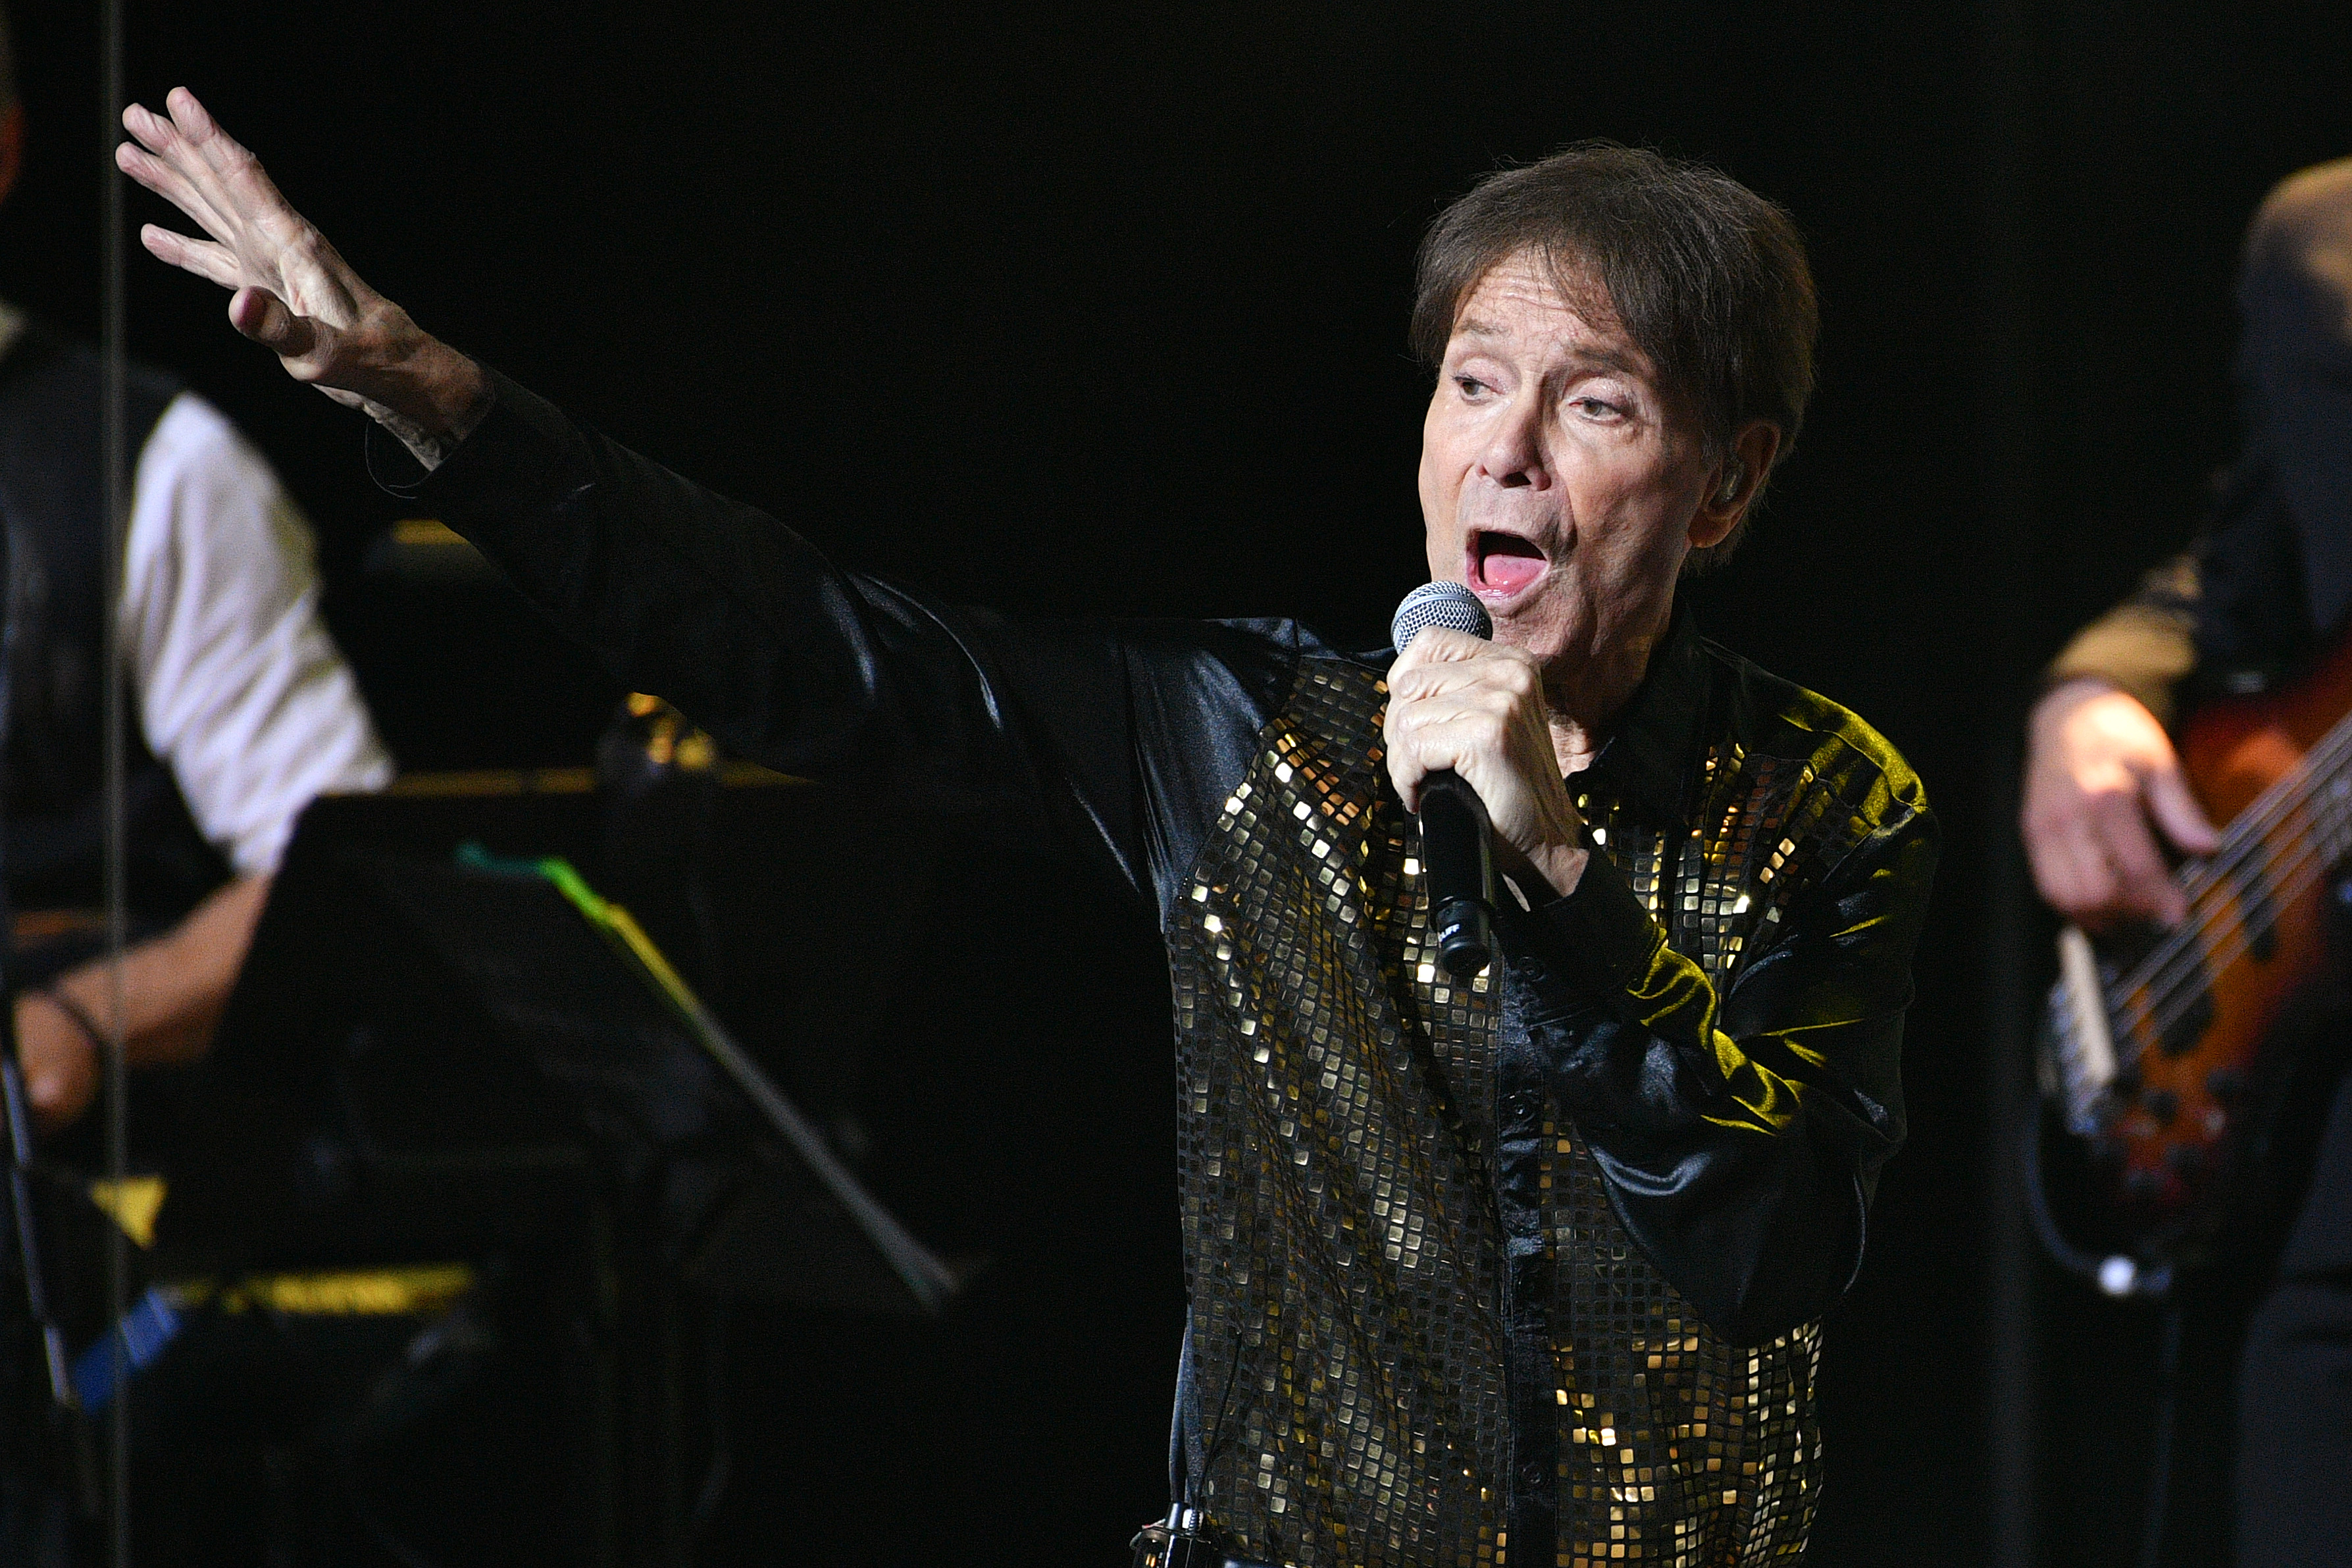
[2102,779]
[2146,647]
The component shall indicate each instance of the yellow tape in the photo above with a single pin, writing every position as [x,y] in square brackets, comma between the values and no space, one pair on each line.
[132,1203]
[360,1292]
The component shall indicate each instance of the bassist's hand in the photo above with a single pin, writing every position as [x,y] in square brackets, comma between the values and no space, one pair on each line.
[2098,769]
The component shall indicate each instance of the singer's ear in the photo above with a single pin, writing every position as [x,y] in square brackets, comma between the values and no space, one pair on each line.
[1733,482]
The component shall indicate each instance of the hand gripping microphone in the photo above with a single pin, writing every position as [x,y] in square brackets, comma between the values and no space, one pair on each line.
[1456,853]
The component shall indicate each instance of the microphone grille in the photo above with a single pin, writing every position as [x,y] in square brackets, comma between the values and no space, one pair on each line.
[1439,604]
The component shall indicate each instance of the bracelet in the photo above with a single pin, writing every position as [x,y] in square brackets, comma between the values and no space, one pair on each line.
[81,1019]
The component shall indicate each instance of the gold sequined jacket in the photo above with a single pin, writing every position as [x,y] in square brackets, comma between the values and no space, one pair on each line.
[1526,1270]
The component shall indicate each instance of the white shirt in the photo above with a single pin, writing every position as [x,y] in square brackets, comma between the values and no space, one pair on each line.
[240,690]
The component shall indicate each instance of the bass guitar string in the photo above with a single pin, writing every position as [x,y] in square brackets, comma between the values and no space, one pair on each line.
[2222,901]
[2298,788]
[2253,825]
[2298,879]
[2291,871]
[2313,857]
[2245,836]
[2223,919]
[2225,922]
[2172,963]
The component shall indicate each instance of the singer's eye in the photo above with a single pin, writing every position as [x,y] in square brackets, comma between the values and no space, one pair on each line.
[1471,387]
[1596,408]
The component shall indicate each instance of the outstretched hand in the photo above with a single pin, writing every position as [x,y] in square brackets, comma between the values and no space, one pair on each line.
[293,293]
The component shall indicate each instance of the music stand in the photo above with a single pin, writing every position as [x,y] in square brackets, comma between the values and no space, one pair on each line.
[487,1018]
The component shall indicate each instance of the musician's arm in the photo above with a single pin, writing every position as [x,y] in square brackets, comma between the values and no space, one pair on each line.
[682,593]
[2099,765]
[2145,647]
[2102,777]
[242,694]
[173,989]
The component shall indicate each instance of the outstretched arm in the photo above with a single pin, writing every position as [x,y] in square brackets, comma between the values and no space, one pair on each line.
[711,604]
[293,293]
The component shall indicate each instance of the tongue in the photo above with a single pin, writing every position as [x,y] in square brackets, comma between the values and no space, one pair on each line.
[1505,565]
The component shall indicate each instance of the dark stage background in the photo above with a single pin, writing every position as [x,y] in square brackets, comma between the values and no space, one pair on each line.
[1104,311]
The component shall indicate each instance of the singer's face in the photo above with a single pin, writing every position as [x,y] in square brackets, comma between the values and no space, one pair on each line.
[1555,480]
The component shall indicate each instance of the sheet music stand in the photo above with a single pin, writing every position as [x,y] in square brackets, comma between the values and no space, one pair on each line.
[473,1031]
[427,1060]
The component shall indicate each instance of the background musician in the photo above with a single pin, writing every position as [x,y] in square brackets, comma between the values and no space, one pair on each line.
[243,709]
[2266,589]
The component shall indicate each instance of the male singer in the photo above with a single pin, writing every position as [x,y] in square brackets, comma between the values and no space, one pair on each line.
[1526,1268]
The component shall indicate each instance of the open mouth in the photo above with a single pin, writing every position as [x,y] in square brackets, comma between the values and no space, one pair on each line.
[1503,564]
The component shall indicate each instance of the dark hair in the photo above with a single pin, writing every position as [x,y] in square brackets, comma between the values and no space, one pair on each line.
[1708,277]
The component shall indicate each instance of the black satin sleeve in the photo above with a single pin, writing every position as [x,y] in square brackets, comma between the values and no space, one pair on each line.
[1110,738]
[1741,1134]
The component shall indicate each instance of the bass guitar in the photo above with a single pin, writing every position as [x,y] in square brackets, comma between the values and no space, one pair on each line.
[2165,1054]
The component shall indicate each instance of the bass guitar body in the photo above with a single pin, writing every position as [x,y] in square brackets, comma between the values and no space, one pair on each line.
[2169,1052]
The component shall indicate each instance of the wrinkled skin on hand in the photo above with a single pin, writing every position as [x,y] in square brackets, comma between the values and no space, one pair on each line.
[1477,707]
[292,292]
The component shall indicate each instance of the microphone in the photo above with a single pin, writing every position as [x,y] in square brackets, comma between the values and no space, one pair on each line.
[1457,852]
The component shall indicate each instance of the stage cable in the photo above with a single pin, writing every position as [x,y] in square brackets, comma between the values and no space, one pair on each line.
[2159,1463]
[114,456]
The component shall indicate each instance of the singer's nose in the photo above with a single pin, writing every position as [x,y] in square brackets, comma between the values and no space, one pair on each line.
[1514,458]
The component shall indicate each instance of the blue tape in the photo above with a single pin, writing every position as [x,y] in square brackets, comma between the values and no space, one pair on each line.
[152,1323]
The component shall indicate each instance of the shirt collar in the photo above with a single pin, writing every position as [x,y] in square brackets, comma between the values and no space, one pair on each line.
[1648,761]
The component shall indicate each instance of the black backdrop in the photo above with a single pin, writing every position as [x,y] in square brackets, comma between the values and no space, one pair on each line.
[1105,308]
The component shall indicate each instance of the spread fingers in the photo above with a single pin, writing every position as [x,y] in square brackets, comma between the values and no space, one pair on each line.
[248,188]
[167,182]
[211,262]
